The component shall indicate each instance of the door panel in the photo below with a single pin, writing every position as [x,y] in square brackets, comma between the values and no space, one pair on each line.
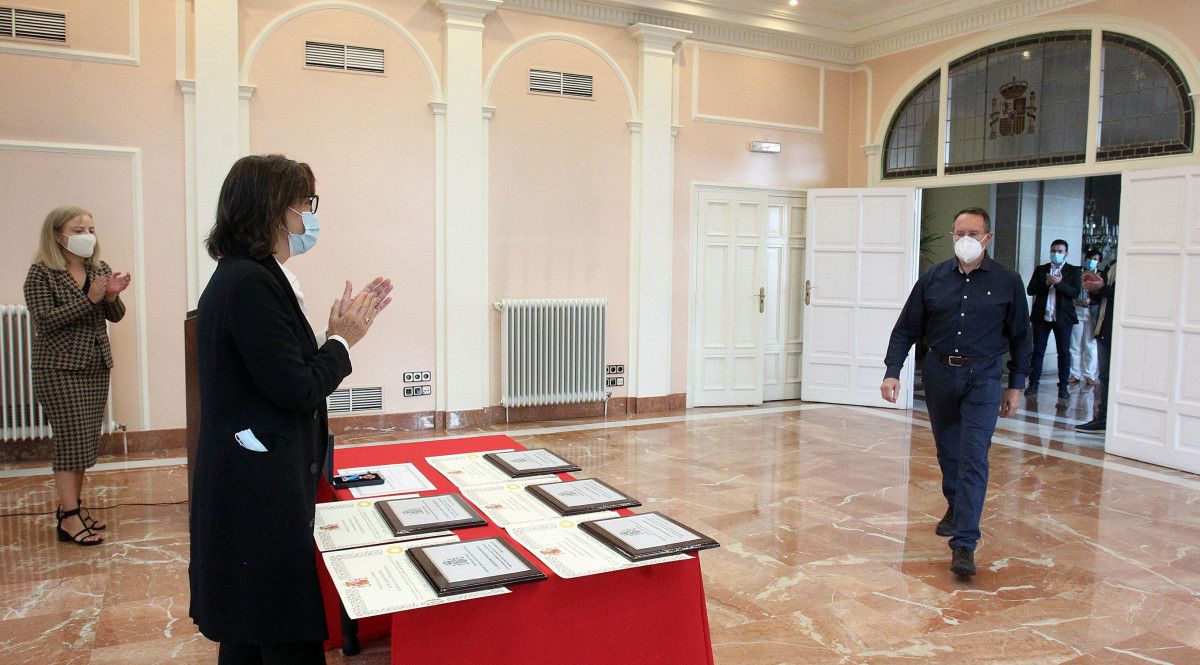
[783,337]
[861,262]
[1154,404]
[728,359]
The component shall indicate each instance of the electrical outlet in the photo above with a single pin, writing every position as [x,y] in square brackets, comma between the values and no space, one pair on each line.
[408,391]
[620,380]
[426,390]
[614,369]
[408,377]
[426,376]
[611,382]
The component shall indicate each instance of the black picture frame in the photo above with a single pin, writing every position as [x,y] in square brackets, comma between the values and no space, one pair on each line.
[540,492]
[703,542]
[396,521]
[498,460]
[444,587]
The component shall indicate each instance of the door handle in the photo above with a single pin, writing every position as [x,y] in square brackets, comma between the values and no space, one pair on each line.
[807,292]
[762,298]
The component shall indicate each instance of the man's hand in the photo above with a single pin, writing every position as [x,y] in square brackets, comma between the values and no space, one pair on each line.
[1053,279]
[1010,403]
[890,389]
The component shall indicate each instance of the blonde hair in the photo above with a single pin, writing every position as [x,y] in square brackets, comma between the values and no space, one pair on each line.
[50,253]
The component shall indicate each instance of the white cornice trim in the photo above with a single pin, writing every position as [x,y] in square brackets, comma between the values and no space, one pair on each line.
[856,47]
[467,14]
[989,18]
[701,29]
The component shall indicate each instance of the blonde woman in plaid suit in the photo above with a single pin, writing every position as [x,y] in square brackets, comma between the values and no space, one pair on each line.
[71,293]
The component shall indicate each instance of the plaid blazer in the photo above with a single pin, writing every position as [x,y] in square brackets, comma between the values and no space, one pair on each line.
[68,326]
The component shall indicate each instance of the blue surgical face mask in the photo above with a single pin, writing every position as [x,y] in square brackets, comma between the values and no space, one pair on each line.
[1057,257]
[1091,264]
[300,243]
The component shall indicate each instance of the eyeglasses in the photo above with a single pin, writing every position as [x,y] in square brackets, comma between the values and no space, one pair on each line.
[312,203]
[958,235]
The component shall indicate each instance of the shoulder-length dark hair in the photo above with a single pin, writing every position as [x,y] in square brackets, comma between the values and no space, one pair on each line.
[253,202]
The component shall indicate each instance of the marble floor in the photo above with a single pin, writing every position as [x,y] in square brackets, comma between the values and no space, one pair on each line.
[825,515]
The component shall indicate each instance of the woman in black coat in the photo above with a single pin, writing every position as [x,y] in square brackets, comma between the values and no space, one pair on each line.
[264,377]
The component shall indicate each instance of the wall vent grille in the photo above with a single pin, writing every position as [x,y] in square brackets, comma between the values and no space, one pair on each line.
[355,400]
[545,82]
[33,24]
[343,57]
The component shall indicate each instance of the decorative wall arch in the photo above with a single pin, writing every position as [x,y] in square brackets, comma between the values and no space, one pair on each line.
[296,12]
[1162,39]
[562,37]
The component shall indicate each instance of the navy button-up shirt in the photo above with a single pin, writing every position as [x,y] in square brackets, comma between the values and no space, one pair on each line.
[980,315]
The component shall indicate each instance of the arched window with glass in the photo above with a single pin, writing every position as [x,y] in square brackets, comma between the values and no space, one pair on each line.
[1024,103]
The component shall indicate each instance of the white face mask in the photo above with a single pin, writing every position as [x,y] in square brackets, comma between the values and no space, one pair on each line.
[83,245]
[967,249]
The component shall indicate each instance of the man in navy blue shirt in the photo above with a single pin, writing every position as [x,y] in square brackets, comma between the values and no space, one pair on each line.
[971,311]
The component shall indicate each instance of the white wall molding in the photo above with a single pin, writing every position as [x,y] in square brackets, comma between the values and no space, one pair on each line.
[699,116]
[651,225]
[563,37]
[138,240]
[295,12]
[188,88]
[462,280]
[133,57]
[1153,34]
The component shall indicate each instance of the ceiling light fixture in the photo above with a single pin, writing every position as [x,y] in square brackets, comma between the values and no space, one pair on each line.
[793,3]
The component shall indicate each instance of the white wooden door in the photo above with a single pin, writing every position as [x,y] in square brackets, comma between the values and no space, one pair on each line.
[860,264]
[1154,392]
[783,340]
[730,277]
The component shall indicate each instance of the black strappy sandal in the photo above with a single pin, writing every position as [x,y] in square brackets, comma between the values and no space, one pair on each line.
[85,532]
[86,516]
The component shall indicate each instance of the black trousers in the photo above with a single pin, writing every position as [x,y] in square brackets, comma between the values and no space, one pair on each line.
[1062,342]
[287,653]
[1103,355]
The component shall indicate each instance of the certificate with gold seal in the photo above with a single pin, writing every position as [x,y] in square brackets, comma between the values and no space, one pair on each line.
[570,552]
[340,525]
[383,579]
[506,504]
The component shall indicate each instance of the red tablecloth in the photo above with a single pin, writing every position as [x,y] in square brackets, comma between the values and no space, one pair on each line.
[653,615]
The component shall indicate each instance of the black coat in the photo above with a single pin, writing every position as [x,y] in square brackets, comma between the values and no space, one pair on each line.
[1108,307]
[1067,291]
[253,572]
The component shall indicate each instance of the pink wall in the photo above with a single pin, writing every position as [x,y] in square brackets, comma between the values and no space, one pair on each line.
[370,141]
[76,102]
[559,191]
[91,26]
[707,152]
[422,19]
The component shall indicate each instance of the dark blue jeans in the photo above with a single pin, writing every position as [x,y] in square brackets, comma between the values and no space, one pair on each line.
[964,403]
[1062,343]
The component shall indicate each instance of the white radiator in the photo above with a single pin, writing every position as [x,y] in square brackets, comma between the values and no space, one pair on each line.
[22,417]
[552,351]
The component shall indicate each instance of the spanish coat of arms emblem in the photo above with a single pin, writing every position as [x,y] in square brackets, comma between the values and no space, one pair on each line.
[1019,113]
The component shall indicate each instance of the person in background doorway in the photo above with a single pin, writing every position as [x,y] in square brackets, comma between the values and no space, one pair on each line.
[70,294]
[1103,289]
[971,310]
[1054,287]
[1083,341]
